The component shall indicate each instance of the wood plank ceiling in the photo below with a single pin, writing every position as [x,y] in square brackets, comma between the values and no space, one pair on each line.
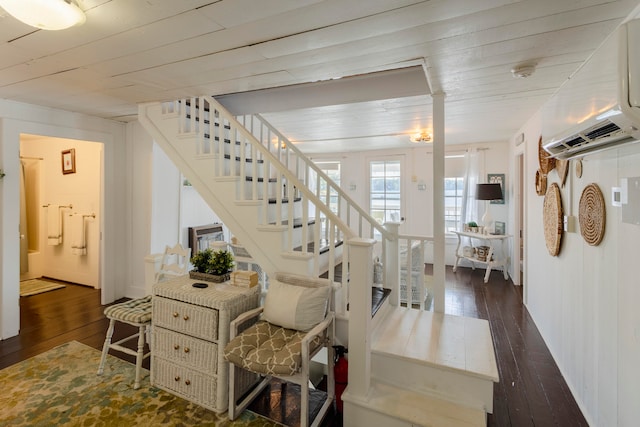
[130,52]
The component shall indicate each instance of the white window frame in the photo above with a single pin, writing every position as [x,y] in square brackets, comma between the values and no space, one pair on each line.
[460,180]
[401,161]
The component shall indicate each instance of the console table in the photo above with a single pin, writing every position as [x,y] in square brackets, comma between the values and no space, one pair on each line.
[190,331]
[500,261]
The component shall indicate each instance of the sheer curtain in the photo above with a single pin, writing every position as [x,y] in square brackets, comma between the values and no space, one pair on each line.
[474,171]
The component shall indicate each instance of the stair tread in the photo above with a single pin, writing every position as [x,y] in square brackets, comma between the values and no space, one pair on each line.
[324,247]
[297,222]
[272,200]
[456,343]
[418,408]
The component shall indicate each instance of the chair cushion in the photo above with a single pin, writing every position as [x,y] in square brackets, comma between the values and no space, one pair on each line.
[295,306]
[268,349]
[132,311]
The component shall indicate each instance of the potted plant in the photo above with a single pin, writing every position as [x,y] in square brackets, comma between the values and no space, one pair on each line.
[473,226]
[212,266]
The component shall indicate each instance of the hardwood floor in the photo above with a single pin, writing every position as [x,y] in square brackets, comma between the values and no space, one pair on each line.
[531,391]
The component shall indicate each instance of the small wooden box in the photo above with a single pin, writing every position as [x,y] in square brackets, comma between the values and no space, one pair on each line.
[482,252]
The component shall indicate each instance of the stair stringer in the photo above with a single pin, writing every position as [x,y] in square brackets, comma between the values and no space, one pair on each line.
[220,194]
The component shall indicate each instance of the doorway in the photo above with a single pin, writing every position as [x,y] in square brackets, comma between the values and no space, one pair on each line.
[60,202]
[519,235]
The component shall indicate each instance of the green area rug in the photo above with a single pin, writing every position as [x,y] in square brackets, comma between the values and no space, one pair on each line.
[60,388]
[37,286]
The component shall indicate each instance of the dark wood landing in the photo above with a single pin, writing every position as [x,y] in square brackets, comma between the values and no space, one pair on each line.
[378,295]
[531,391]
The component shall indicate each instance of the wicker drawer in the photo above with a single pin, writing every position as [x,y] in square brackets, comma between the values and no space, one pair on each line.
[182,349]
[194,320]
[189,384]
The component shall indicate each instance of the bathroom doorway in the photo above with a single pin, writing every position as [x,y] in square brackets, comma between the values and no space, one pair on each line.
[60,205]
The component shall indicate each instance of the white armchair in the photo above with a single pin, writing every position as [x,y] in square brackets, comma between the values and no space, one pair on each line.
[297,322]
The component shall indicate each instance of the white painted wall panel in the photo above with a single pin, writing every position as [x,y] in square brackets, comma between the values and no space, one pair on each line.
[583,300]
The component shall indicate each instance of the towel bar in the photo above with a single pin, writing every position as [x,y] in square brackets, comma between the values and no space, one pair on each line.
[59,207]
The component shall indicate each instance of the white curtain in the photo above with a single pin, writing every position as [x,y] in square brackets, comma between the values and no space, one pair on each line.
[474,173]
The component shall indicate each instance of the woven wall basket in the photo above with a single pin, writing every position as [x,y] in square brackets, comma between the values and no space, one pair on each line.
[562,167]
[552,219]
[547,164]
[541,183]
[592,214]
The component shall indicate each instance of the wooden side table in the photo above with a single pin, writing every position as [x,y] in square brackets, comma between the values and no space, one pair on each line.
[190,328]
[490,239]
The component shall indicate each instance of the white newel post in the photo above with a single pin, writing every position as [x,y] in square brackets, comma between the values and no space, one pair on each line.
[361,280]
[438,203]
[392,263]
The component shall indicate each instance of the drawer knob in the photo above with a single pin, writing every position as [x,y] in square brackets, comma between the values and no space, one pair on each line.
[175,314]
[186,350]
[176,346]
[186,317]
[177,378]
[188,382]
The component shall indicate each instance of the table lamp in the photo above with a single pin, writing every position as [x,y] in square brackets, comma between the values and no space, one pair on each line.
[488,192]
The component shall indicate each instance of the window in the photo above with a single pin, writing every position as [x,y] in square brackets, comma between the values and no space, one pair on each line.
[384,190]
[452,202]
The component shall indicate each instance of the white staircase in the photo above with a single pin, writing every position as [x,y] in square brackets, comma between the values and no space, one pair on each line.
[407,367]
[428,369]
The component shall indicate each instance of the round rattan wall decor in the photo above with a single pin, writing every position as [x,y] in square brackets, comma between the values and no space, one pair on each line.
[562,167]
[579,168]
[541,183]
[547,164]
[552,219]
[592,214]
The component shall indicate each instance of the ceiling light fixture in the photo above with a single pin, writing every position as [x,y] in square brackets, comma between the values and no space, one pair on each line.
[420,137]
[45,14]
[523,71]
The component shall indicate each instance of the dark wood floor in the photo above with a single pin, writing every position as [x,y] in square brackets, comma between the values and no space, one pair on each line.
[531,391]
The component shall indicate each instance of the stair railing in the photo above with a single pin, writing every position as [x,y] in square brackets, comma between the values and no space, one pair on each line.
[358,219]
[261,168]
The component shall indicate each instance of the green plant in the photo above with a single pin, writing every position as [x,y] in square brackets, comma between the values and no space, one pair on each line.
[472,224]
[201,260]
[221,262]
[213,262]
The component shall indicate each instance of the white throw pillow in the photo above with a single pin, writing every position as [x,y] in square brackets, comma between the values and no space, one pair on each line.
[295,307]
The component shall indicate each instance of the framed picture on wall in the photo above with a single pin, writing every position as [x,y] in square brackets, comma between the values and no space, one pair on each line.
[69,161]
[497,178]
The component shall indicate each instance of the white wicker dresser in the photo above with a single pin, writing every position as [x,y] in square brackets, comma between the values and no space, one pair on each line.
[190,330]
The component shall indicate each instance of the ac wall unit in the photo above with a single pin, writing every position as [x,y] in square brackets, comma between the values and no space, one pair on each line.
[598,108]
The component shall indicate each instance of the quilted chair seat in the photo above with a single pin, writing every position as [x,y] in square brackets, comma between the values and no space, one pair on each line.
[133,311]
[268,349]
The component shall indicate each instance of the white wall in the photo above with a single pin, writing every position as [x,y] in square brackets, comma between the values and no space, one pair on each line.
[584,300]
[17,118]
